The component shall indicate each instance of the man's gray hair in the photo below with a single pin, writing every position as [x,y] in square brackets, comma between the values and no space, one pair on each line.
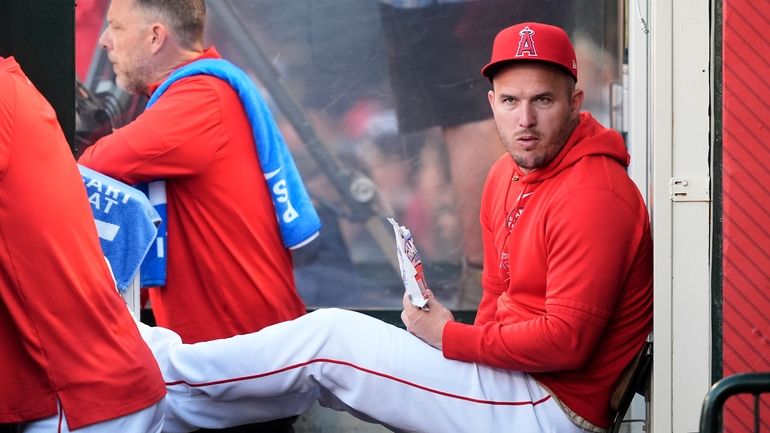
[186,17]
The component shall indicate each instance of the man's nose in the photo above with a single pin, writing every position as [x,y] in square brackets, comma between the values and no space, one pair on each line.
[527,116]
[105,39]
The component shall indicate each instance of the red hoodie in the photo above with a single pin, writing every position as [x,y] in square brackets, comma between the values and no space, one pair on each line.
[567,273]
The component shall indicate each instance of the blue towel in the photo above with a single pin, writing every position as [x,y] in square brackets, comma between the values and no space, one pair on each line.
[125,220]
[153,270]
[297,218]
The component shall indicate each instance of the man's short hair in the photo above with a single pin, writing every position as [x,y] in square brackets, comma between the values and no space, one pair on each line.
[186,17]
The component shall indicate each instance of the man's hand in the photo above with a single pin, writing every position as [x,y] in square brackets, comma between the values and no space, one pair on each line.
[427,325]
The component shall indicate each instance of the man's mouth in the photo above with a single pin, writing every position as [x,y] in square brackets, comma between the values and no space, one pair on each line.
[527,141]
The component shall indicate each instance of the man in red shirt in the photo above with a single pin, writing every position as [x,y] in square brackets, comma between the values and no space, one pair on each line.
[72,357]
[228,271]
[567,293]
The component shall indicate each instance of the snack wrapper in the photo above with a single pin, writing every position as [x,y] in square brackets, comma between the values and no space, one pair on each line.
[411,265]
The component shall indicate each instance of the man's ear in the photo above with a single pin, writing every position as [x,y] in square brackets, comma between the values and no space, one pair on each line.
[159,34]
[491,97]
[577,101]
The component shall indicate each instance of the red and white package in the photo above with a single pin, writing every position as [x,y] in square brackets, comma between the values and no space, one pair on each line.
[411,265]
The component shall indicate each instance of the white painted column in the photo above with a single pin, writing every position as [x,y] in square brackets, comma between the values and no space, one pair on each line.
[679,55]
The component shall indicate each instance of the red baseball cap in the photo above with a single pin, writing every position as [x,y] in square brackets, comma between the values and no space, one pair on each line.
[532,42]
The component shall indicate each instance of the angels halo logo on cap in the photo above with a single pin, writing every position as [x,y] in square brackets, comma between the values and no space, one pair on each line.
[526,43]
[531,41]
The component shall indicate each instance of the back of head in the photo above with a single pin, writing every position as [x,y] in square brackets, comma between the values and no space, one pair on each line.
[532,42]
[186,18]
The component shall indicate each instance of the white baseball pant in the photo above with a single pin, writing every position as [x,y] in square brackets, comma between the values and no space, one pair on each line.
[148,420]
[347,361]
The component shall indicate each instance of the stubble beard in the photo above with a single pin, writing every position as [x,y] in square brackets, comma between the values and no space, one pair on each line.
[135,81]
[525,161]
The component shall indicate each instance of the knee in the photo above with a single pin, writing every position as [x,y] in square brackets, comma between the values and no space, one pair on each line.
[336,323]
[329,318]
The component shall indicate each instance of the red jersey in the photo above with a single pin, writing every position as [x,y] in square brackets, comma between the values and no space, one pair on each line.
[228,272]
[567,273]
[65,332]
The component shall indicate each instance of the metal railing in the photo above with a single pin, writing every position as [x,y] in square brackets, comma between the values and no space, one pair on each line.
[744,383]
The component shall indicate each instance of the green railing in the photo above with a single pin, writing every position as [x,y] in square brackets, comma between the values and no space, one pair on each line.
[744,383]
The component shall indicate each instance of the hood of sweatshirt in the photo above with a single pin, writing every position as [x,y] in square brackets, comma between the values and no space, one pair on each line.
[588,139]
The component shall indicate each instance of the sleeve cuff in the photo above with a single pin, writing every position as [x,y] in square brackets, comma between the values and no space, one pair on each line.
[461,342]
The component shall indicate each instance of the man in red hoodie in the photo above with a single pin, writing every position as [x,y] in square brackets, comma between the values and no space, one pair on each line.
[567,293]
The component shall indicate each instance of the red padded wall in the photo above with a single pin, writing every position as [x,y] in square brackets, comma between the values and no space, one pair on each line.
[746,200]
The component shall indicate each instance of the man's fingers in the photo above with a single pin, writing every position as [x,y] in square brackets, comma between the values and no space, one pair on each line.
[405,320]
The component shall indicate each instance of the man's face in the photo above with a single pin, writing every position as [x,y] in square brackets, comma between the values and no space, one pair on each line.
[127,39]
[536,110]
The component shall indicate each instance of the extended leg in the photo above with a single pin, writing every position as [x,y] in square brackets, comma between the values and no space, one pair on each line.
[346,361]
